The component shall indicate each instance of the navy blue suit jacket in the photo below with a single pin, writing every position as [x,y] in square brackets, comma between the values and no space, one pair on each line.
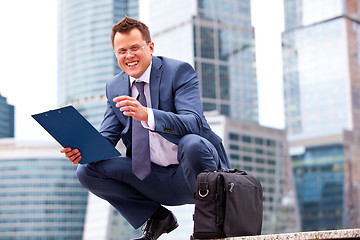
[175,100]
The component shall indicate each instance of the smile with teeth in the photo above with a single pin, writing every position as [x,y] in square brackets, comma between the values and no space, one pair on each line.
[132,64]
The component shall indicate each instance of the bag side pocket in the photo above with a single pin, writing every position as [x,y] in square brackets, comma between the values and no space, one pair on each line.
[243,215]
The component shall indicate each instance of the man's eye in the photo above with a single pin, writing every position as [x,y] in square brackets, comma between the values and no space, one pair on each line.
[122,52]
[134,49]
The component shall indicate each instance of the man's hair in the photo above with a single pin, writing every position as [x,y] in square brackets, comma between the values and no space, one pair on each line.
[126,25]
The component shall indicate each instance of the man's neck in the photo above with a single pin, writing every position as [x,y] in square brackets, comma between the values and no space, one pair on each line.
[145,77]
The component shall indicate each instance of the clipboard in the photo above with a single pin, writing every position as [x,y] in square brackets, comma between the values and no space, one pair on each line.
[70,129]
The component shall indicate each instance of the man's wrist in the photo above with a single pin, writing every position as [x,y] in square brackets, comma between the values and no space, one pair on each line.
[150,123]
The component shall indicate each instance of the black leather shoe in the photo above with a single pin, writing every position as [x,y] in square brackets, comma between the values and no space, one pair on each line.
[155,227]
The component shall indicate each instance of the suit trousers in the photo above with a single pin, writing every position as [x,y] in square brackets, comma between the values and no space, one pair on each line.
[136,200]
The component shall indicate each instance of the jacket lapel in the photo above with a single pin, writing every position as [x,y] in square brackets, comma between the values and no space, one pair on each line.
[155,77]
[124,85]
[124,89]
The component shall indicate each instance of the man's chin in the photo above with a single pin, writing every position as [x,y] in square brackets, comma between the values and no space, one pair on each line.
[131,73]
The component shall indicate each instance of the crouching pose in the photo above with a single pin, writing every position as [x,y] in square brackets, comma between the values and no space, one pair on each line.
[154,107]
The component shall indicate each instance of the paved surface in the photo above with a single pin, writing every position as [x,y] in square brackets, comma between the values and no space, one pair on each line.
[331,234]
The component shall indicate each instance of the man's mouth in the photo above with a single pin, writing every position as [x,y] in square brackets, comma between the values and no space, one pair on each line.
[131,64]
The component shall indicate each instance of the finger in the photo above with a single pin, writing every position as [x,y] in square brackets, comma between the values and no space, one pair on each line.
[129,114]
[129,102]
[73,157]
[77,160]
[122,98]
[129,108]
[72,153]
[65,150]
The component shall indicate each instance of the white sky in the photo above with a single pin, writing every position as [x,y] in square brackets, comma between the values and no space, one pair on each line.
[28,55]
[28,61]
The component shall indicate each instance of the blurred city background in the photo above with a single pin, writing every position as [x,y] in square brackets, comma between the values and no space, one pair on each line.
[279,81]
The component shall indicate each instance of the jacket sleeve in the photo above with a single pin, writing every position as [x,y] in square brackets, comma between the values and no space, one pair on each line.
[111,127]
[185,117]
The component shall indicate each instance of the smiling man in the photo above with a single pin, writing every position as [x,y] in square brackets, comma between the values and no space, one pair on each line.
[154,107]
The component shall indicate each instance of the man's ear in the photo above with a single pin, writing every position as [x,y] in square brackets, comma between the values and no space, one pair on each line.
[151,47]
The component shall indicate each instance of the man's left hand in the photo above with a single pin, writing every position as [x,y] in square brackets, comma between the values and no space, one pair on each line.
[131,107]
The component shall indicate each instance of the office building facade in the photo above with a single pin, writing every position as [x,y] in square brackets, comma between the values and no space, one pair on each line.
[321,67]
[217,38]
[40,196]
[85,56]
[85,62]
[7,119]
[327,182]
[263,153]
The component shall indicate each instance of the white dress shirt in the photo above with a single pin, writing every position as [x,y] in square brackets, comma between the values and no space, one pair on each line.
[162,152]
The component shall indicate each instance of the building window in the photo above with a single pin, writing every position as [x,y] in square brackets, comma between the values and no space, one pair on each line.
[235,165]
[233,136]
[247,168]
[247,149]
[271,162]
[259,141]
[246,139]
[271,180]
[207,42]
[234,147]
[209,106]
[270,143]
[247,159]
[208,80]
[224,83]
[259,160]
[259,151]
[271,153]
[225,110]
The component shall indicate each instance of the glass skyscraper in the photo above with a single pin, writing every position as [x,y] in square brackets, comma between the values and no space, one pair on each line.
[7,121]
[320,182]
[217,38]
[40,196]
[85,62]
[321,65]
[86,59]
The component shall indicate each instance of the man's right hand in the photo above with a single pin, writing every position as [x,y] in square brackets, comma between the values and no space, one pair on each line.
[74,155]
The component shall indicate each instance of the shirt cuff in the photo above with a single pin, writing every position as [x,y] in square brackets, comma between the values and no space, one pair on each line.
[150,124]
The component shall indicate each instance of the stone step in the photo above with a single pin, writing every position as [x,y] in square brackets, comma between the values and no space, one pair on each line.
[330,234]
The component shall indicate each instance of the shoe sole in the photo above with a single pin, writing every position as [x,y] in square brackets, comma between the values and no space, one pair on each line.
[172,228]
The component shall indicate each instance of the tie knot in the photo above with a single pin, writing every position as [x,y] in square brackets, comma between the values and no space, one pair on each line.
[140,86]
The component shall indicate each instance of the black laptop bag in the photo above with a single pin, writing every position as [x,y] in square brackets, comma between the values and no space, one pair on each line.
[228,203]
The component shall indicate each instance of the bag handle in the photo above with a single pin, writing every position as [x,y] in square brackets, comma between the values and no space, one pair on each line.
[235,170]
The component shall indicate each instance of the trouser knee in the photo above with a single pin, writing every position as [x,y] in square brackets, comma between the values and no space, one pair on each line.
[83,174]
[197,152]
[191,145]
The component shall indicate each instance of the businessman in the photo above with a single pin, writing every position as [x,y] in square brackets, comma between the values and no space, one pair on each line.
[154,107]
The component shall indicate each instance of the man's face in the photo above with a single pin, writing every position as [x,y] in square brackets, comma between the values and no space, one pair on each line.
[136,62]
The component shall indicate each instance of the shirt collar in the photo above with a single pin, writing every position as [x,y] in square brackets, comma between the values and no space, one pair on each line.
[144,78]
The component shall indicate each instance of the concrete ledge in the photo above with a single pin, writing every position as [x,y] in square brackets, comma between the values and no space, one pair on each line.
[331,234]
